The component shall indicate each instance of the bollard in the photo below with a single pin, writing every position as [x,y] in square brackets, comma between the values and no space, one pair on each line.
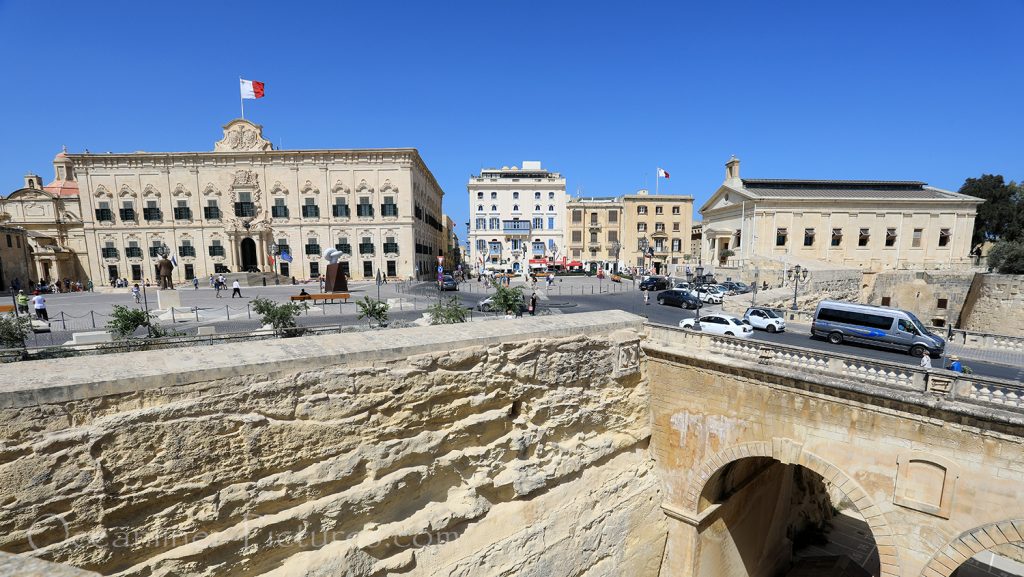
[62,323]
[172,316]
[247,310]
[196,309]
[228,311]
[93,315]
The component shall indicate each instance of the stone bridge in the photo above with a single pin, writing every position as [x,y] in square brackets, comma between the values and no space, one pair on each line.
[584,445]
[931,462]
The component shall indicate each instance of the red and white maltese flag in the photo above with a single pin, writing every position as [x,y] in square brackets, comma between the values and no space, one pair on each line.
[662,173]
[251,89]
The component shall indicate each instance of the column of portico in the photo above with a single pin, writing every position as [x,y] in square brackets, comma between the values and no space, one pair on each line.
[236,252]
[262,248]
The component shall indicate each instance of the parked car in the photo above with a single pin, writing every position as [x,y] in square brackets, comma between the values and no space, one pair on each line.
[683,285]
[765,318]
[724,289]
[678,298]
[654,283]
[448,283]
[737,288]
[719,324]
[880,326]
[709,294]
[743,288]
[486,305]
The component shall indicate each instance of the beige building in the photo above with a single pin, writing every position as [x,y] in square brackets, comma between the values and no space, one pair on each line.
[594,233]
[874,225]
[226,210]
[663,223]
[517,218]
[52,219]
[15,259]
[696,234]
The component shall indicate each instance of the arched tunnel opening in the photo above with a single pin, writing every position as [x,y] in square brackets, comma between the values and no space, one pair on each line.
[773,519]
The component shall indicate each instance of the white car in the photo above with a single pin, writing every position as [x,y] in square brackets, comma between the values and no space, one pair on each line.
[717,324]
[765,318]
[709,294]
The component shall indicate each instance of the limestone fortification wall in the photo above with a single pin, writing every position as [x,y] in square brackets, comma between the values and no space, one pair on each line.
[995,305]
[919,292]
[497,448]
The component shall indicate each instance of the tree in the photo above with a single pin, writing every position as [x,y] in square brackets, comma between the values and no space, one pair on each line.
[13,330]
[1007,257]
[447,313]
[373,309]
[1000,216]
[506,298]
[279,316]
[124,321]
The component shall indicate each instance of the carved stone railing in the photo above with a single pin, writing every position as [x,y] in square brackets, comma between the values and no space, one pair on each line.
[949,385]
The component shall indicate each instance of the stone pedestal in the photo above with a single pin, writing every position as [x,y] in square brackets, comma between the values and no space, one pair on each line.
[166,299]
[336,281]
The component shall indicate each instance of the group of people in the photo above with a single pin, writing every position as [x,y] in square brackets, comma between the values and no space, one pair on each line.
[219,283]
[954,363]
[58,286]
[38,302]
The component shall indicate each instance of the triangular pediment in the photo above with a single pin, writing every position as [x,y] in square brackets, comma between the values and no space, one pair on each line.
[724,197]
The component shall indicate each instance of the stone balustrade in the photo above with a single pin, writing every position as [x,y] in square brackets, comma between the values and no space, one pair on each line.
[948,385]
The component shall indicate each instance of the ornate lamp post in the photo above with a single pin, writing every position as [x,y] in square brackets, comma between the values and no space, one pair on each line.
[796,275]
[699,280]
[644,245]
[757,279]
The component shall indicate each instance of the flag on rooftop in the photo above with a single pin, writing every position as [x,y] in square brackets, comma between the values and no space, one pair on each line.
[251,89]
[662,173]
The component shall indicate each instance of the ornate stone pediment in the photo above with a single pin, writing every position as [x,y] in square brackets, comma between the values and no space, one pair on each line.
[211,189]
[308,187]
[126,191]
[180,190]
[363,187]
[101,191]
[245,177]
[278,188]
[340,188]
[151,190]
[242,136]
[388,187]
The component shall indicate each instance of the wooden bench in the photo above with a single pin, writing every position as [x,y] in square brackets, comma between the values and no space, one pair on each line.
[325,297]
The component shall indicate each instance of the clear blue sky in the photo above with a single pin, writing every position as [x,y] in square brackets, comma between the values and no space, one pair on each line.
[603,92]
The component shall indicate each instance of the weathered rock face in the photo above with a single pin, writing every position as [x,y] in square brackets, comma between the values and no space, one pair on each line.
[516,458]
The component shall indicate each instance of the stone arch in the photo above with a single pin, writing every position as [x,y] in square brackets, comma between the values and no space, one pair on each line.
[792,452]
[950,557]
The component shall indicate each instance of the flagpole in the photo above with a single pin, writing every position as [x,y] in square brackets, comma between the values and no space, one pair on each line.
[657,180]
[240,99]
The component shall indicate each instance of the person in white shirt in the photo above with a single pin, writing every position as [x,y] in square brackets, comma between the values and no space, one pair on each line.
[236,289]
[39,302]
[926,361]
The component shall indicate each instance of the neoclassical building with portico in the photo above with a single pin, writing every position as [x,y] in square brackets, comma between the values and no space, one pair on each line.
[225,210]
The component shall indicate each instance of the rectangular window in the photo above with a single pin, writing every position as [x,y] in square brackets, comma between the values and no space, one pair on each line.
[340,209]
[481,245]
[186,248]
[390,246]
[675,227]
[345,269]
[659,227]
[366,246]
[641,210]
[367,269]
[886,301]
[677,245]
[104,214]
[312,246]
[538,223]
[641,227]
[136,272]
[190,271]
[10,242]
[314,269]
[216,249]
[855,318]
[154,249]
[780,237]
[593,237]
[343,246]
[182,211]
[593,219]
[392,268]
[127,212]
[389,208]
[577,216]
[613,216]
[133,250]
[279,210]
[916,241]
[109,251]
[890,237]
[863,237]
[551,222]
[944,236]
[613,236]
[658,210]
[943,303]
[837,236]
[364,208]
[577,236]
[576,253]
[808,237]
[211,212]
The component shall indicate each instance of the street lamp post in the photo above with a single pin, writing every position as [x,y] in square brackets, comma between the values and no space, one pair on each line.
[644,245]
[698,281]
[753,293]
[796,275]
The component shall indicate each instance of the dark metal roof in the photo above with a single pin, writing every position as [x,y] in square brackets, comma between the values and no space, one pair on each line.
[848,189]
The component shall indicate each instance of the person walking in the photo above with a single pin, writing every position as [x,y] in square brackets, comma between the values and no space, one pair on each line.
[22,300]
[926,361]
[236,289]
[218,286]
[955,365]
[647,297]
[39,302]
[195,283]
[533,304]
[136,293]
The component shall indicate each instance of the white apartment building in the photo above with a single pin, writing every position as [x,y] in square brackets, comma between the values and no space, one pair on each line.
[517,218]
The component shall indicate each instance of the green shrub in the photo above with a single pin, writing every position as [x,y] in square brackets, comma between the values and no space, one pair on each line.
[447,313]
[1007,257]
[13,330]
[280,316]
[373,310]
[506,298]
[124,321]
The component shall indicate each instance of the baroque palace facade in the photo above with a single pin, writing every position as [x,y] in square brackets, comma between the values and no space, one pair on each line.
[223,211]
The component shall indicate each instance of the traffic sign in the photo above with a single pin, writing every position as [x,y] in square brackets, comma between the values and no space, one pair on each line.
[440,269]
[440,260]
